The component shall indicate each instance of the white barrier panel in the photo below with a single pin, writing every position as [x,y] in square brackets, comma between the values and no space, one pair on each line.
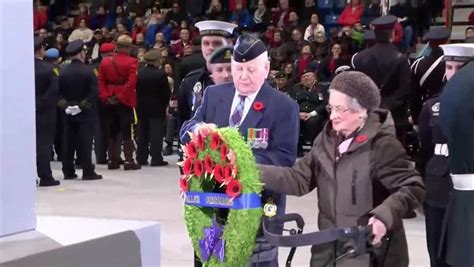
[17,119]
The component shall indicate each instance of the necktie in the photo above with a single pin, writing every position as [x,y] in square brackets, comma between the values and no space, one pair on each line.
[236,117]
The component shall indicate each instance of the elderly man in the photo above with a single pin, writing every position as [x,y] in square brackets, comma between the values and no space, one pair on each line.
[456,121]
[251,104]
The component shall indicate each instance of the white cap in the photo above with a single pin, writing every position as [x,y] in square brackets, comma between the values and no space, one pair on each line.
[215,27]
[458,52]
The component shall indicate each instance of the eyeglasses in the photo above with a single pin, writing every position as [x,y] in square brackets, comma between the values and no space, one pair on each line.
[337,109]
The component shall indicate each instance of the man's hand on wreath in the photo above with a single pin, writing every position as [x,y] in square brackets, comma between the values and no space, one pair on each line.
[379,230]
[205,128]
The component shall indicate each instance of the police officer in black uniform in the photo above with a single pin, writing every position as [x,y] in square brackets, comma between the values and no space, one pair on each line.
[428,72]
[214,34]
[390,70]
[456,121]
[312,99]
[78,98]
[46,95]
[153,96]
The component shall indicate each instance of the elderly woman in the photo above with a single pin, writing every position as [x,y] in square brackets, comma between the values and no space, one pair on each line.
[359,169]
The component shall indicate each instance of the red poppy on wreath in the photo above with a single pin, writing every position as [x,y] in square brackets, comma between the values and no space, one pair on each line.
[198,167]
[361,138]
[200,142]
[215,140]
[192,151]
[208,164]
[224,152]
[218,173]
[228,174]
[188,167]
[258,106]
[183,184]
[234,189]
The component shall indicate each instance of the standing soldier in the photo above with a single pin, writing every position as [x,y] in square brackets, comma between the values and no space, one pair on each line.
[214,34]
[78,99]
[456,121]
[153,95]
[428,72]
[46,95]
[389,69]
[117,85]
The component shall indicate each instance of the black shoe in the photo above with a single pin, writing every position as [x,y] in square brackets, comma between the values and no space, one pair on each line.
[159,163]
[142,162]
[94,176]
[113,165]
[49,182]
[121,161]
[168,150]
[70,177]
[130,166]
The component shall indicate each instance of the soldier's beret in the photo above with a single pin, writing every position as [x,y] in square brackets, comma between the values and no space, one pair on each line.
[461,52]
[248,47]
[221,55]
[52,53]
[39,43]
[74,47]
[310,68]
[280,75]
[107,48]
[437,35]
[152,55]
[357,85]
[215,27]
[386,22]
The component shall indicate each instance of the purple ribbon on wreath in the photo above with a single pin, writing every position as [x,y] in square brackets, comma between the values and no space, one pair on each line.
[212,243]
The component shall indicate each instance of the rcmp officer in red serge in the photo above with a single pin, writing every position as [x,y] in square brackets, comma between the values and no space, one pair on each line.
[78,99]
[46,93]
[428,72]
[117,91]
[390,71]
[457,123]
[267,119]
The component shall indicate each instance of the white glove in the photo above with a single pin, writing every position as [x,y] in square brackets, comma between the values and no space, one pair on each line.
[75,110]
[68,110]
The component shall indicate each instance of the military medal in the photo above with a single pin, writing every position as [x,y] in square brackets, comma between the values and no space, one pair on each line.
[270,209]
[257,137]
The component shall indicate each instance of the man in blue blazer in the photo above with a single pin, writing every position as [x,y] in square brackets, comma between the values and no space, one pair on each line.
[267,119]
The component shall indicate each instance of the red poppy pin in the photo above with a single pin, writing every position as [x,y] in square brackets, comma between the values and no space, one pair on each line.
[258,106]
[361,138]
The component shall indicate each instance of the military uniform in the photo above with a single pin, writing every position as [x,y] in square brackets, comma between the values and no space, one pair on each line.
[428,72]
[78,98]
[456,121]
[433,164]
[391,73]
[46,95]
[311,100]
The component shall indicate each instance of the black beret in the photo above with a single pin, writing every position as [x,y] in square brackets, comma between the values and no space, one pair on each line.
[248,47]
[74,47]
[310,68]
[280,75]
[438,35]
[386,22]
[39,42]
[221,55]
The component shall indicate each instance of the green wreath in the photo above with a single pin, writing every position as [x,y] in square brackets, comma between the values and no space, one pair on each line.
[221,163]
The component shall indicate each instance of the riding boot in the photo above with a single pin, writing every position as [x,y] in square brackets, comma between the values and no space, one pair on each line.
[129,164]
[113,162]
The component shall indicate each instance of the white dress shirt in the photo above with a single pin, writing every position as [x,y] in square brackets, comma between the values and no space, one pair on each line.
[247,105]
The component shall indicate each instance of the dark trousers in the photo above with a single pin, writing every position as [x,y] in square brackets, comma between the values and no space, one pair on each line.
[150,138]
[434,217]
[82,133]
[58,135]
[44,145]
[171,128]
[118,119]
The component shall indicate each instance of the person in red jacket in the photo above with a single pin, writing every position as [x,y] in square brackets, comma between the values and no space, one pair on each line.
[117,90]
[351,14]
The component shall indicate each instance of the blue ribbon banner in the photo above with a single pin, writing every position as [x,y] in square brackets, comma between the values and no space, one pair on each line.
[218,200]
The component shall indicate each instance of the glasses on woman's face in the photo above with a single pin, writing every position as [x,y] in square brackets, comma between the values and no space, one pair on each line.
[336,109]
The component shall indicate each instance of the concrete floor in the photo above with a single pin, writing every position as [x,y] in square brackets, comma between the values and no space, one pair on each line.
[152,194]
